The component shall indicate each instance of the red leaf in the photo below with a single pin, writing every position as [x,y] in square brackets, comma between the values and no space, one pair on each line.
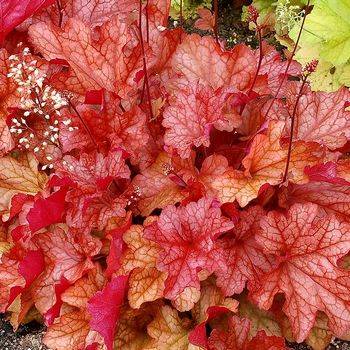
[306,248]
[94,97]
[54,311]
[104,308]
[325,172]
[117,246]
[14,12]
[47,211]
[185,236]
[263,342]
[235,339]
[242,258]
[31,266]
[198,335]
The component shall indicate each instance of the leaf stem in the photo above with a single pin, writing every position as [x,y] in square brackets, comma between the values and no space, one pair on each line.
[144,62]
[216,18]
[289,61]
[147,22]
[60,12]
[181,14]
[292,128]
[87,129]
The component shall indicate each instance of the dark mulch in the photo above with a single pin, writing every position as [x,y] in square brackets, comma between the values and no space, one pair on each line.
[27,337]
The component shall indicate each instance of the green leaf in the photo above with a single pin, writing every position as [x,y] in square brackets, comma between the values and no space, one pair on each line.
[326,37]
[189,8]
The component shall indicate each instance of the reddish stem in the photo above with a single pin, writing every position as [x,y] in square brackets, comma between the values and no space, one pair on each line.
[147,22]
[84,124]
[292,128]
[60,12]
[183,183]
[216,18]
[289,62]
[261,56]
[181,14]
[144,61]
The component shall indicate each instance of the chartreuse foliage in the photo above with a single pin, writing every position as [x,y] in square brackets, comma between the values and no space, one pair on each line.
[159,191]
[189,7]
[326,37]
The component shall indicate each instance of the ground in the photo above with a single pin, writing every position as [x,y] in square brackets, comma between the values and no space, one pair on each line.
[28,337]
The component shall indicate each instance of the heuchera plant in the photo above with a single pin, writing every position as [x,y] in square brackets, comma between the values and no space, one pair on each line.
[158,191]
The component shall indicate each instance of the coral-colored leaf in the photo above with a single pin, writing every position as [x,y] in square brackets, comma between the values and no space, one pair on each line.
[104,308]
[92,13]
[192,113]
[145,285]
[201,59]
[140,252]
[243,258]
[265,163]
[8,96]
[84,289]
[206,20]
[157,188]
[306,248]
[259,319]
[11,280]
[69,333]
[109,63]
[321,117]
[235,339]
[91,203]
[331,199]
[185,237]
[264,342]
[198,335]
[64,258]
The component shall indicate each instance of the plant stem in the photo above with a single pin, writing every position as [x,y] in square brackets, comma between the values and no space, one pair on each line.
[216,14]
[147,22]
[60,12]
[144,62]
[181,14]
[84,124]
[289,62]
[292,128]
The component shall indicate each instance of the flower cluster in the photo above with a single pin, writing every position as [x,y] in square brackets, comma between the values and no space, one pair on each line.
[35,123]
[287,15]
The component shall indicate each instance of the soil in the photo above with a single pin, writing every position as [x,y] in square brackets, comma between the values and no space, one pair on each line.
[27,337]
